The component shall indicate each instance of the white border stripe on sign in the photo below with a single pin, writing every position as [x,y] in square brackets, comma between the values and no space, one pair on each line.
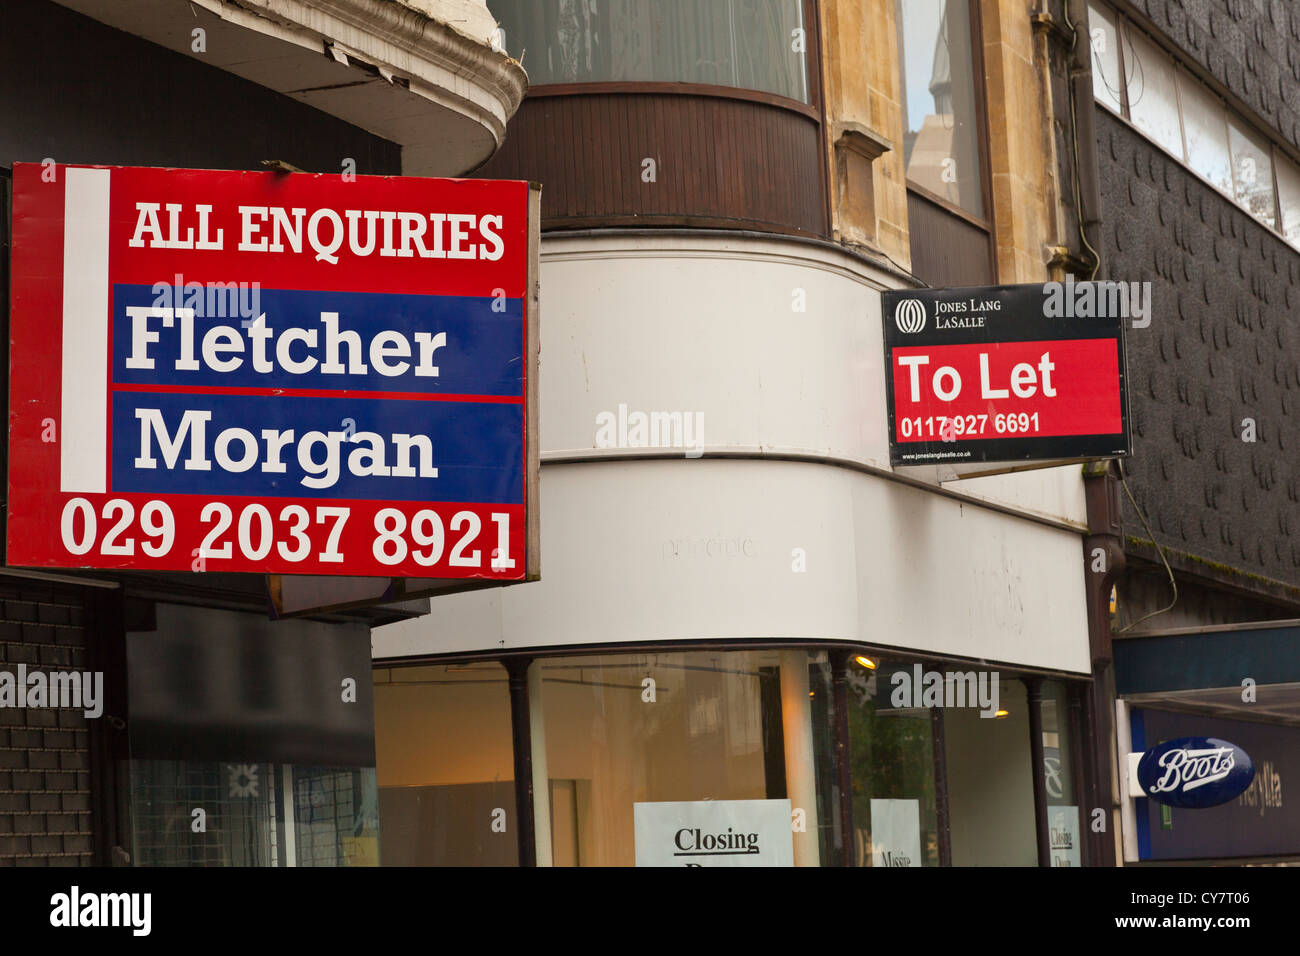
[83,438]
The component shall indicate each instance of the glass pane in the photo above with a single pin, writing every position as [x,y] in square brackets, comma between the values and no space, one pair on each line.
[990,782]
[750,44]
[1252,172]
[941,139]
[1105,57]
[330,820]
[1063,817]
[335,817]
[445,757]
[1152,99]
[1288,189]
[1205,124]
[691,728]
[892,757]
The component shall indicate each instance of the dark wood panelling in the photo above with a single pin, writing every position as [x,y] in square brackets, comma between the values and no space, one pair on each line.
[947,250]
[720,161]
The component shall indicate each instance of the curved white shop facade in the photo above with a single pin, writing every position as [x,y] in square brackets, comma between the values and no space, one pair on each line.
[775,516]
[736,630]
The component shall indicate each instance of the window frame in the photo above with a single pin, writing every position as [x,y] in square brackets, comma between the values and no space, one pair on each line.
[1183,74]
[518,663]
[812,79]
[979,77]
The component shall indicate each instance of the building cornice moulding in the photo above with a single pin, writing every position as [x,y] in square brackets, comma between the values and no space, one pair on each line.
[405,41]
[434,85]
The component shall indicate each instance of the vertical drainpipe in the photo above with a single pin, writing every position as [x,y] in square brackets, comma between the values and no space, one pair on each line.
[1101,486]
[1102,549]
[1085,135]
[521,733]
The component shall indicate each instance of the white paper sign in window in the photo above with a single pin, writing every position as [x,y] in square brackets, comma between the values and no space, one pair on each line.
[714,833]
[1063,828]
[895,833]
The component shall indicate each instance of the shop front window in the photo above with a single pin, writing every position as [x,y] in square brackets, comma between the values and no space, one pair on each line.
[990,782]
[641,748]
[445,765]
[892,754]
[715,757]
[1063,817]
[749,44]
[247,742]
[216,813]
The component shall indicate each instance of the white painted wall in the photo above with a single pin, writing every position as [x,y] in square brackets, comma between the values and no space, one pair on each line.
[709,324]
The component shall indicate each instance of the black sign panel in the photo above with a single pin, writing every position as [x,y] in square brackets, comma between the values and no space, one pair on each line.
[1019,373]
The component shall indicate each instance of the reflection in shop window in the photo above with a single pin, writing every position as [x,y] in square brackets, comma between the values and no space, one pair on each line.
[1064,819]
[991,782]
[749,44]
[892,756]
[941,142]
[623,730]
[209,813]
[445,765]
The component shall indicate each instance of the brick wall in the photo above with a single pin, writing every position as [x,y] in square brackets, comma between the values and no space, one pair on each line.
[45,817]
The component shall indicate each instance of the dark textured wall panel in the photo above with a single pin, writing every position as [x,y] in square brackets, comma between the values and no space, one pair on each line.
[718,161]
[1223,346]
[946,249]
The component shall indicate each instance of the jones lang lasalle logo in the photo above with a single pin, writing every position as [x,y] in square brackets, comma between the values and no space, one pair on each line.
[909,316]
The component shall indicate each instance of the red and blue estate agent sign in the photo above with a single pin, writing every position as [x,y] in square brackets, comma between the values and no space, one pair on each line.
[261,372]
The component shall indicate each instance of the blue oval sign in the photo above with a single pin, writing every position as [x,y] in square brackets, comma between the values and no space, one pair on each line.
[1195,772]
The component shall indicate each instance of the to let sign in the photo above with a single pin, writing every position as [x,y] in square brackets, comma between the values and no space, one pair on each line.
[261,372]
[1014,374]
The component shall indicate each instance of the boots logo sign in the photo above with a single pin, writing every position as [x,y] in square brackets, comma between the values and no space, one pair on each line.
[909,315]
[272,373]
[1195,772]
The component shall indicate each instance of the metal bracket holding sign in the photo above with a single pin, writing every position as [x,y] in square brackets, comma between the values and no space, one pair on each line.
[284,374]
[1003,378]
